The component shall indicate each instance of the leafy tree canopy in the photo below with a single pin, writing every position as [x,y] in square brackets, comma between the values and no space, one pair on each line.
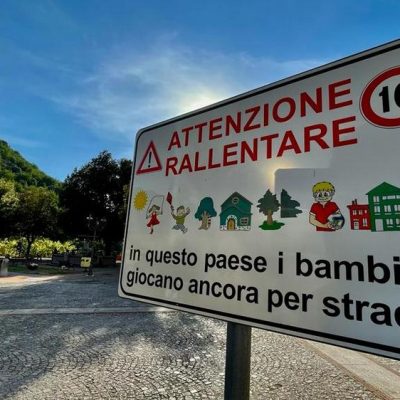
[8,206]
[94,199]
[13,167]
[37,214]
[8,196]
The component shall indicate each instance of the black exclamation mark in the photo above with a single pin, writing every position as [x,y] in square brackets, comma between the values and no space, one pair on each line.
[148,166]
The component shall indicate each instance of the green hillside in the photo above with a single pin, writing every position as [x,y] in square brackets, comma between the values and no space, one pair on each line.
[14,167]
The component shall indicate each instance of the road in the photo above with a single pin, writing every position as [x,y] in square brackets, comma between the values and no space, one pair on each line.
[72,337]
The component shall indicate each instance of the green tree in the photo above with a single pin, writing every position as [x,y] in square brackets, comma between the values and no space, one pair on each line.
[268,204]
[205,212]
[8,207]
[15,168]
[125,171]
[37,214]
[289,206]
[95,196]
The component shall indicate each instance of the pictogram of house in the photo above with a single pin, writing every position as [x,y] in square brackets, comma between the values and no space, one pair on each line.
[235,213]
[359,216]
[384,207]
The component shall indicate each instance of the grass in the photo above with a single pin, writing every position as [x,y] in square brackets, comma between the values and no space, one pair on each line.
[41,270]
[273,227]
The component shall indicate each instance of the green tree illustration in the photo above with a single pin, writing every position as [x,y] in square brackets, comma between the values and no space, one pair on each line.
[205,212]
[289,206]
[268,204]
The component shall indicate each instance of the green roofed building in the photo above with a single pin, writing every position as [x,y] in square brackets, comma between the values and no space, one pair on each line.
[384,207]
[235,213]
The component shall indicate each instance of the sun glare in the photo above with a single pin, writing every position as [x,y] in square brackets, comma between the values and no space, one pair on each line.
[198,101]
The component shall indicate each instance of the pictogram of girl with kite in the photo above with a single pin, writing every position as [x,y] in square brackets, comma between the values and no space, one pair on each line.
[154,209]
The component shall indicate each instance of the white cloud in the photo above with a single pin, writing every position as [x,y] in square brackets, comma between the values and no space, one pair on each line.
[135,90]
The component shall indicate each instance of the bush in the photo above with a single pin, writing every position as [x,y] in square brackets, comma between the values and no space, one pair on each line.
[8,246]
[42,247]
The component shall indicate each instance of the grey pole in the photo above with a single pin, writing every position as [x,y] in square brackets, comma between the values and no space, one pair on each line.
[237,363]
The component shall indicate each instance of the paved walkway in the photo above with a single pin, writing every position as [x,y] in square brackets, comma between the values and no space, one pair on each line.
[72,338]
[14,278]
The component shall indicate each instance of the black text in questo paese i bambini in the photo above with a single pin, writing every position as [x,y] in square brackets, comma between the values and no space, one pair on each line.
[368,270]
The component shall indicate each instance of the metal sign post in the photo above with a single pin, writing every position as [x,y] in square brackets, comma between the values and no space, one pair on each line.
[237,363]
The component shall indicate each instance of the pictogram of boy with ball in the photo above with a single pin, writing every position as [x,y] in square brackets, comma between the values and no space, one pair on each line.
[325,214]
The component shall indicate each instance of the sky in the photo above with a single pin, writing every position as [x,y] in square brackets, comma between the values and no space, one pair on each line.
[81,76]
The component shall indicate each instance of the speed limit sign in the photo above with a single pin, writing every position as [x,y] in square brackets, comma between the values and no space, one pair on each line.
[380,101]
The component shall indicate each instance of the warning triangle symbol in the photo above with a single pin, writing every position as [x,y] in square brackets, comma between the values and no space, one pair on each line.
[150,161]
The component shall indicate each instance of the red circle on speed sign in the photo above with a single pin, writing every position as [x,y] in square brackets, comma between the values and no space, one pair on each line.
[366,100]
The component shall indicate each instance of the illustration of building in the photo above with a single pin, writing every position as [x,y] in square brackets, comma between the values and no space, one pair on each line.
[384,207]
[359,216]
[235,213]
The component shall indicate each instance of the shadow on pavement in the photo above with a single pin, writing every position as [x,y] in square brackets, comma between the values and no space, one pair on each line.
[36,345]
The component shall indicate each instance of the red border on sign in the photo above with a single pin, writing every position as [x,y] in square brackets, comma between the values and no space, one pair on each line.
[157,167]
[365,102]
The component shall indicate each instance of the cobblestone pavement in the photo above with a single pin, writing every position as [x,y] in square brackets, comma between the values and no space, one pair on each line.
[75,290]
[147,355]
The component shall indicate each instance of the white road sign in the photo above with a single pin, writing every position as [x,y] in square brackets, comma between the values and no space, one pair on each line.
[278,208]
